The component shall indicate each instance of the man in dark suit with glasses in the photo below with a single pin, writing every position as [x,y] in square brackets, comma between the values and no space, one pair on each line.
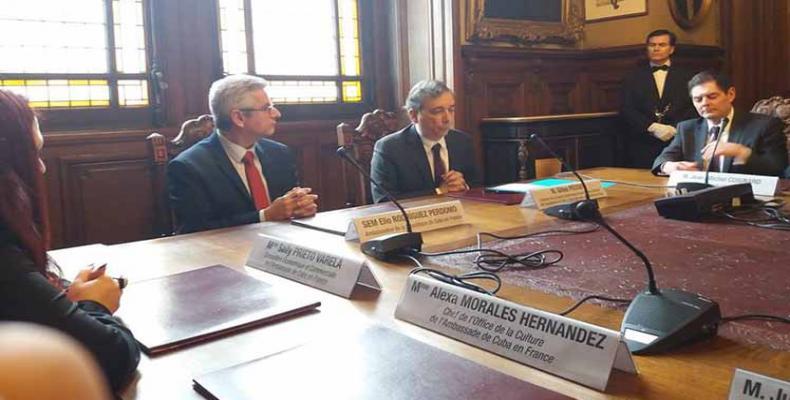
[237,175]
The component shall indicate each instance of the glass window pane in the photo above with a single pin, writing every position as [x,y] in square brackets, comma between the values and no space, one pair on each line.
[349,37]
[352,92]
[132,93]
[129,36]
[63,93]
[47,36]
[295,37]
[233,39]
[302,91]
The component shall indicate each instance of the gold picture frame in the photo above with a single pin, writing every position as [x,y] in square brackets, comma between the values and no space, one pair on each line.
[686,14]
[568,30]
[605,10]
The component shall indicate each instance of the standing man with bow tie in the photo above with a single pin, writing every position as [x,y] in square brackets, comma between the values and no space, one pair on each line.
[654,100]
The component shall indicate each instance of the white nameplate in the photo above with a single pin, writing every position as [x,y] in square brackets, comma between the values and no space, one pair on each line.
[541,197]
[761,185]
[747,385]
[575,350]
[423,218]
[332,272]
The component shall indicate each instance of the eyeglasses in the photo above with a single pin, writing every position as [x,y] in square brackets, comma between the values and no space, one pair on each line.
[267,109]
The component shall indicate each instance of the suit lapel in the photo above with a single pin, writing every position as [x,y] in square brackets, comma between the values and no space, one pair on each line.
[267,165]
[452,149]
[736,136]
[421,159]
[651,83]
[226,168]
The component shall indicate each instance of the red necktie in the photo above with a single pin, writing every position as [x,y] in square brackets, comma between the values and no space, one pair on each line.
[438,165]
[255,182]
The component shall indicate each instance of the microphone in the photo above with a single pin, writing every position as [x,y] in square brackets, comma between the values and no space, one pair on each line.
[656,320]
[568,211]
[388,246]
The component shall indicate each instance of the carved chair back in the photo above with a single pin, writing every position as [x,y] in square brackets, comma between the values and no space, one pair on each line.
[359,142]
[778,107]
[160,152]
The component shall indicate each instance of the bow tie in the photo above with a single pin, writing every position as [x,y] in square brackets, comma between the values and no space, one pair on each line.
[659,68]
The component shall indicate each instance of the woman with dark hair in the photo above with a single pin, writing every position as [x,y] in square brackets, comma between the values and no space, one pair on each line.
[30,289]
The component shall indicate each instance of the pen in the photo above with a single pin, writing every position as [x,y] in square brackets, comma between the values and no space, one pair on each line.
[122,282]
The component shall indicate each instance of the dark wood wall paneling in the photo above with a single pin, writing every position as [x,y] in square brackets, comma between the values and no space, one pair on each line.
[99,181]
[755,35]
[515,82]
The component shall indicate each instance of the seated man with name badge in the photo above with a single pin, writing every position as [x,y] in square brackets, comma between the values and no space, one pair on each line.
[736,142]
[428,156]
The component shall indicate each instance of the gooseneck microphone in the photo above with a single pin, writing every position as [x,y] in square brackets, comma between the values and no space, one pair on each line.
[567,211]
[388,246]
[656,320]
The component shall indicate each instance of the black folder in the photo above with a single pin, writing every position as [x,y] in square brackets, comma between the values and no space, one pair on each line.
[371,363]
[174,311]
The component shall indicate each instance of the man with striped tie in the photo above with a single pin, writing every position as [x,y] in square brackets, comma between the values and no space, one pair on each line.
[737,142]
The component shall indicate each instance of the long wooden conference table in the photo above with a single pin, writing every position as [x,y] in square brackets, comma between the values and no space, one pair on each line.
[699,371]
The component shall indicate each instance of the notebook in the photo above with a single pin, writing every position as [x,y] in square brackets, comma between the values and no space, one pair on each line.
[482,194]
[368,363]
[178,310]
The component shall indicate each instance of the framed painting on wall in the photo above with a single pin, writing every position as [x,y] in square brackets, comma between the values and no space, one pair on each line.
[524,21]
[602,10]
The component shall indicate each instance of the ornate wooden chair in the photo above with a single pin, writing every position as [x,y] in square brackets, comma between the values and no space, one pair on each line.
[160,152]
[359,141]
[780,108]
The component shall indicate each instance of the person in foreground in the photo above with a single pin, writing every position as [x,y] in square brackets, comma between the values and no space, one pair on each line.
[428,156]
[38,351]
[30,286]
[749,143]
[654,100]
[237,175]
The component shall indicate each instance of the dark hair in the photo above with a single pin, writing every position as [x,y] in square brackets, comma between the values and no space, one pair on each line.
[423,90]
[23,212]
[722,81]
[661,32]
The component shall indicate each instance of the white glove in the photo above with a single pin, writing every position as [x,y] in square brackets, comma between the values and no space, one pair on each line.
[661,131]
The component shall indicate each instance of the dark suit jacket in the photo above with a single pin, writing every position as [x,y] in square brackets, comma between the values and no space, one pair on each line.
[763,134]
[27,296]
[639,103]
[400,164]
[206,192]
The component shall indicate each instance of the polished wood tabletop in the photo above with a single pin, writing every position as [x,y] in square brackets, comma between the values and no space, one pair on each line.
[699,371]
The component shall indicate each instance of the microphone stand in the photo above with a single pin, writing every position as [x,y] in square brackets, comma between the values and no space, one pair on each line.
[656,320]
[388,246]
[567,211]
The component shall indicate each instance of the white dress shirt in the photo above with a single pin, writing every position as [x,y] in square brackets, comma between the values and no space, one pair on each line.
[724,137]
[235,154]
[428,144]
[660,77]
